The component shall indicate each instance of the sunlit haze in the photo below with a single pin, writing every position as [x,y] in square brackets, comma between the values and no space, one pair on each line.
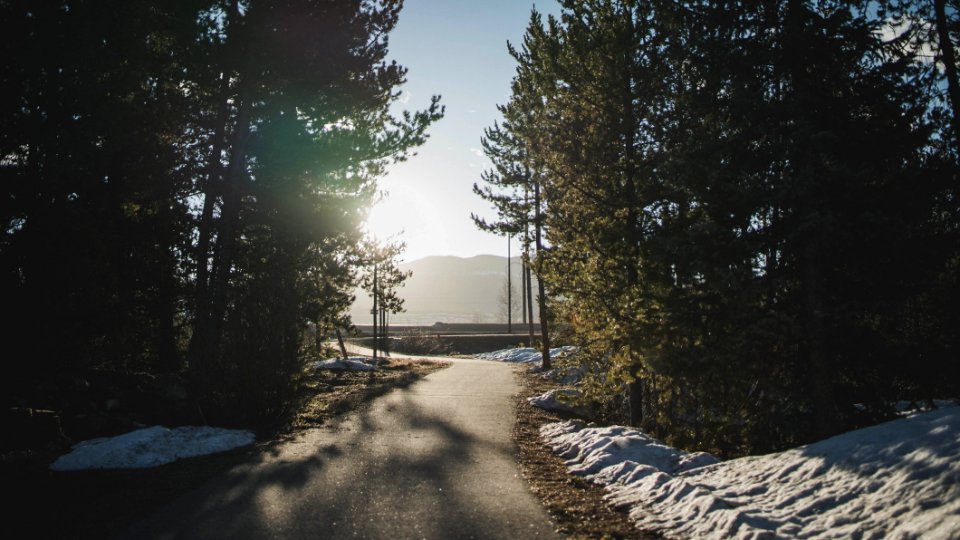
[458,49]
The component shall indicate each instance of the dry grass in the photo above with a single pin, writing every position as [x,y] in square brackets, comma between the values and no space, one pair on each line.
[575,504]
[329,393]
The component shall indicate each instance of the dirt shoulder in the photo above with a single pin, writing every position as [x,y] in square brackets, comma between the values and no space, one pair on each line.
[576,504]
[101,504]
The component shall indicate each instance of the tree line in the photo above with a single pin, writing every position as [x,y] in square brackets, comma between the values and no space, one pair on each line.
[185,185]
[749,209]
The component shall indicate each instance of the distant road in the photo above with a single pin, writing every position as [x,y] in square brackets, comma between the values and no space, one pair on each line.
[518,328]
[434,460]
[461,343]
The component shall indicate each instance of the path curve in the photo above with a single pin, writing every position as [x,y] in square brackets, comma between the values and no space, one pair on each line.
[433,460]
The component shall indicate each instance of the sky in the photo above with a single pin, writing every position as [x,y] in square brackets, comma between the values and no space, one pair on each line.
[457,49]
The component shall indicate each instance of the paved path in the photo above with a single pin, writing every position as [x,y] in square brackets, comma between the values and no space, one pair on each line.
[434,460]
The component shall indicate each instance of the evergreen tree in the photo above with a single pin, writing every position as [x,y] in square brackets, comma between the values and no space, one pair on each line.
[507,187]
[193,172]
[96,165]
[513,186]
[381,279]
[947,24]
[309,133]
[744,209]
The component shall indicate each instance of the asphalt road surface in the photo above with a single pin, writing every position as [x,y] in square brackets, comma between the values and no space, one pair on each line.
[434,460]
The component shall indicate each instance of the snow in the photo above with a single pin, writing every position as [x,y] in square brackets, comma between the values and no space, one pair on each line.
[523,354]
[354,363]
[151,447]
[900,479]
[559,399]
[910,408]
[571,375]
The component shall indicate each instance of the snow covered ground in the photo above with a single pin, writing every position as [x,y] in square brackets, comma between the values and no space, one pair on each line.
[560,399]
[151,447]
[900,479]
[523,355]
[568,375]
[552,400]
[354,363]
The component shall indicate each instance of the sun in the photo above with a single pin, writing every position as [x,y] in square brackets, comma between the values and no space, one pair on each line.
[409,215]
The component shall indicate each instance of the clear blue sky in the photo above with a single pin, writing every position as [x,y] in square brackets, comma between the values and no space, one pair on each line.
[458,49]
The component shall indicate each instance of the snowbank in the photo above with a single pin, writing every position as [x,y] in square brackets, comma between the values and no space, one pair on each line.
[591,450]
[900,479]
[354,363]
[151,447]
[560,399]
[565,375]
[910,408]
[523,354]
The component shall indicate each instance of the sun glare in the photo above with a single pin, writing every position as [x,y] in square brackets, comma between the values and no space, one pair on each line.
[407,215]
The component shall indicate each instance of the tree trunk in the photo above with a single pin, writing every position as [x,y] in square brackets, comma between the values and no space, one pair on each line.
[205,227]
[384,332]
[214,171]
[529,296]
[343,347]
[509,290]
[168,356]
[635,389]
[528,292]
[631,196]
[949,66]
[229,226]
[541,296]
[523,293]
[821,373]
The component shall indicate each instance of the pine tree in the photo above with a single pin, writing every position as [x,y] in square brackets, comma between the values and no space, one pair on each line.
[947,27]
[96,167]
[741,208]
[508,186]
[309,133]
[197,171]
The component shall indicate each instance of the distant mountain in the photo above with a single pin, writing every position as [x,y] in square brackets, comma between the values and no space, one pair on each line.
[452,289]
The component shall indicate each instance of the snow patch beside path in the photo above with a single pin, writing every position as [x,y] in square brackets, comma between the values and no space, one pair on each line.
[354,363]
[523,354]
[590,451]
[900,479]
[560,399]
[151,447]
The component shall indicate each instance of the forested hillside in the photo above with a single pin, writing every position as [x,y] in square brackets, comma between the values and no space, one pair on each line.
[184,185]
[750,208]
